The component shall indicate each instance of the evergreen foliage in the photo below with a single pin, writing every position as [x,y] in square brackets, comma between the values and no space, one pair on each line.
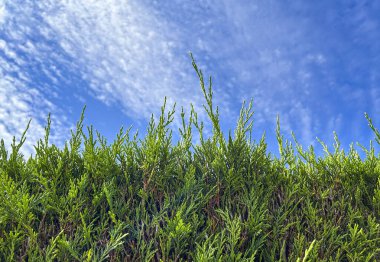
[224,199]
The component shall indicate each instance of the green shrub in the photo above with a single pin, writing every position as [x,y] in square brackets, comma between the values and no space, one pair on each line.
[223,199]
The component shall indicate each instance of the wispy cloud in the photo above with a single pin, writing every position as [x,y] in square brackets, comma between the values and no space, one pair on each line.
[2,11]
[127,54]
[124,54]
[28,85]
[19,104]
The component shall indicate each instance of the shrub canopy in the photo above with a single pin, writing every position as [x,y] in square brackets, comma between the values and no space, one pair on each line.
[223,199]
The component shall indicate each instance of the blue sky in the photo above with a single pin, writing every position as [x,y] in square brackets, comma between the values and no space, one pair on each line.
[314,63]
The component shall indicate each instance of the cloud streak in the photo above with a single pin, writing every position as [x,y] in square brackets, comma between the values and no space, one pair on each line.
[123,54]
[29,81]
[126,54]
[19,103]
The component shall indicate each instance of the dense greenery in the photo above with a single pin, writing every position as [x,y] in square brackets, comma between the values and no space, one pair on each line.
[224,199]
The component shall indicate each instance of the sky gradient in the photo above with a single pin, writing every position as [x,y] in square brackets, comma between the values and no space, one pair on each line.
[315,64]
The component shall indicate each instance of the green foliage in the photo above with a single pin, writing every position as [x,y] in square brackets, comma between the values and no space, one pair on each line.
[223,199]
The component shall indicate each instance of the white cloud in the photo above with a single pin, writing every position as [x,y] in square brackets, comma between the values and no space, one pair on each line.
[126,53]
[2,12]
[19,103]
[21,99]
